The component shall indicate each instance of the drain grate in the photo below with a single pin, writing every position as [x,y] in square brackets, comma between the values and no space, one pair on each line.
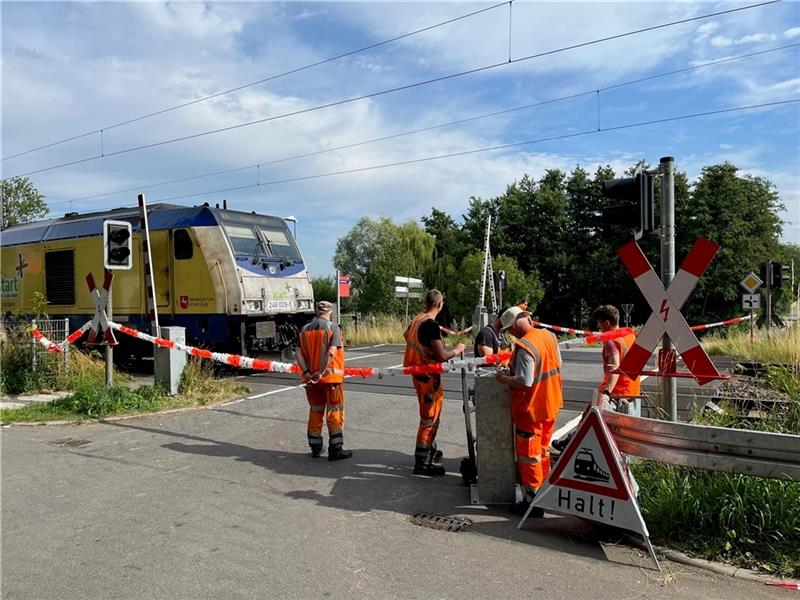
[439,522]
[69,443]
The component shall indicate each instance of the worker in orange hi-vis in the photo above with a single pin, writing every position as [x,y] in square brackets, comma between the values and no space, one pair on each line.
[424,346]
[536,391]
[615,384]
[320,353]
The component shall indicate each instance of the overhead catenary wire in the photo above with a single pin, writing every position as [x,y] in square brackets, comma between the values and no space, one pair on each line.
[394,89]
[488,148]
[429,128]
[257,82]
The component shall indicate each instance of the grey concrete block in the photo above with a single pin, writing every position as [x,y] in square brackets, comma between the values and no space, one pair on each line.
[169,364]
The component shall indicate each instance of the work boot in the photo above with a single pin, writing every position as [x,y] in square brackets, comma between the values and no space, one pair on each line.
[428,469]
[520,508]
[435,455]
[316,451]
[339,453]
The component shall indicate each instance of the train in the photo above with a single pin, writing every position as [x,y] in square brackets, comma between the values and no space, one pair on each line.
[235,280]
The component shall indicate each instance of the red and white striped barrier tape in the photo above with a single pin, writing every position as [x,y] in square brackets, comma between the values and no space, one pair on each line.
[451,332]
[54,347]
[258,364]
[569,330]
[787,585]
[726,323]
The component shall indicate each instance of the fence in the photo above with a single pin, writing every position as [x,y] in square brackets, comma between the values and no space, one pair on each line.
[56,330]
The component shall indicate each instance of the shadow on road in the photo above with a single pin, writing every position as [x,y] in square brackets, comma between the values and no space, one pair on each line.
[382,480]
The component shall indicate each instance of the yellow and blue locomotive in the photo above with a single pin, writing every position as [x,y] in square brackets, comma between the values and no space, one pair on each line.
[235,280]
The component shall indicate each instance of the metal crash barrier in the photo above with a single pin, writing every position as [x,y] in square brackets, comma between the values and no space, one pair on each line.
[757,453]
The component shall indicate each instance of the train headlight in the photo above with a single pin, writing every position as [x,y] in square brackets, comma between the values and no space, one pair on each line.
[304,304]
[254,305]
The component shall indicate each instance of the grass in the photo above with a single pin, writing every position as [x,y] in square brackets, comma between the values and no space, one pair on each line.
[387,329]
[91,399]
[749,521]
[782,346]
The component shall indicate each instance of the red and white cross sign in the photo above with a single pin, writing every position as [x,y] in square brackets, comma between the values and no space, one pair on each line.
[100,319]
[666,305]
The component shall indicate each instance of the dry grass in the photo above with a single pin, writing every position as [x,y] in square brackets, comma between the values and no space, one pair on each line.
[386,329]
[200,385]
[781,346]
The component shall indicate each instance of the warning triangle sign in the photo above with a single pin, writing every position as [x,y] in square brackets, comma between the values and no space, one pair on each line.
[591,480]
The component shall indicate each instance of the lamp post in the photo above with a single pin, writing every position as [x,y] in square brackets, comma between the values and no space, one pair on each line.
[293,219]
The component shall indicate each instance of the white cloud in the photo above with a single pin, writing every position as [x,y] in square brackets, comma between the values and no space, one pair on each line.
[792,33]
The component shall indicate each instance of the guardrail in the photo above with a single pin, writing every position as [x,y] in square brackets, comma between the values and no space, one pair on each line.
[757,453]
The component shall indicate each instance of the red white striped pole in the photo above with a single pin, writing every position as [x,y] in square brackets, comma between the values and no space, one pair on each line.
[152,306]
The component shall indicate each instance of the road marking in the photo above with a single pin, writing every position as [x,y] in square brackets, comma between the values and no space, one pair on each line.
[368,347]
[365,356]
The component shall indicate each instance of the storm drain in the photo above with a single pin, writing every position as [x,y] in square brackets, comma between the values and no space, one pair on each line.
[439,522]
[69,443]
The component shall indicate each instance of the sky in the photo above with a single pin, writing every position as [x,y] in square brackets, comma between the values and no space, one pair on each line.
[77,68]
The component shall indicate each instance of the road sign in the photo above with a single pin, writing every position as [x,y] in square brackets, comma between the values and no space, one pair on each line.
[410,282]
[751,283]
[751,301]
[627,309]
[592,480]
[100,319]
[666,305]
[344,286]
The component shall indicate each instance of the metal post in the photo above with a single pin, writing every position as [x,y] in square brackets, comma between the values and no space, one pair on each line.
[338,299]
[66,347]
[109,349]
[669,392]
[751,326]
[152,301]
[33,346]
[769,296]
[407,293]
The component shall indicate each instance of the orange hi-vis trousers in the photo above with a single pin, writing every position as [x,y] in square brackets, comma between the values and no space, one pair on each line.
[430,394]
[325,398]
[532,444]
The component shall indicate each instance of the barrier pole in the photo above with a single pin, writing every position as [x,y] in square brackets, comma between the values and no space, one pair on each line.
[109,348]
[669,391]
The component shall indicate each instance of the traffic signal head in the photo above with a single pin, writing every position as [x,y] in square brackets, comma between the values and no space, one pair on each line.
[117,245]
[780,273]
[638,195]
[500,280]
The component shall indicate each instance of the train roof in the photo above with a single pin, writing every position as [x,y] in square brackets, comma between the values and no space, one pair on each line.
[74,225]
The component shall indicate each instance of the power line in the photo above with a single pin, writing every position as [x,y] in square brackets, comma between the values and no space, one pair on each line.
[260,81]
[486,149]
[432,127]
[395,89]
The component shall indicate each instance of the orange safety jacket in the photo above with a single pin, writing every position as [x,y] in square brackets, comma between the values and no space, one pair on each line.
[315,345]
[625,386]
[545,397]
[416,353]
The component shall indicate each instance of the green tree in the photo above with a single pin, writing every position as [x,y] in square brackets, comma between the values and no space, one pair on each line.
[466,283]
[373,252]
[22,202]
[324,288]
[741,214]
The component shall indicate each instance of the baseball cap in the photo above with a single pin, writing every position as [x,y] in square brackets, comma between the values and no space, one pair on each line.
[324,306]
[508,318]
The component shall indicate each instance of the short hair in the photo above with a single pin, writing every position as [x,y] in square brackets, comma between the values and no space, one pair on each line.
[607,312]
[432,298]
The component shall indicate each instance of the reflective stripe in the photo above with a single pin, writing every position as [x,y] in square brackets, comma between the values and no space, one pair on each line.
[428,422]
[335,434]
[314,436]
[317,407]
[537,358]
[548,375]
[335,409]
[529,459]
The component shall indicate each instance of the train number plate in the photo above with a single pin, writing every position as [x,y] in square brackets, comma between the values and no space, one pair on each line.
[280,304]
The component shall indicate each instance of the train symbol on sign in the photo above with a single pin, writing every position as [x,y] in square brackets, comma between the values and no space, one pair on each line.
[586,467]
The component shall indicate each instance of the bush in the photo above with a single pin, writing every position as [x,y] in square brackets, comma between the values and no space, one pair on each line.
[17,374]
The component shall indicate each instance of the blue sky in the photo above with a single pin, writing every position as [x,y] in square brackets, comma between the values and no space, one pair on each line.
[69,68]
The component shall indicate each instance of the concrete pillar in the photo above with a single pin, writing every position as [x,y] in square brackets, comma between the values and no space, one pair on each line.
[169,364]
[495,440]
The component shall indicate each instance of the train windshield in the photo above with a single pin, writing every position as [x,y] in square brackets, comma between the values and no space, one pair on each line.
[259,235]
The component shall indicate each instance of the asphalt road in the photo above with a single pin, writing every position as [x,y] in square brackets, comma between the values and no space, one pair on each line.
[227,503]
